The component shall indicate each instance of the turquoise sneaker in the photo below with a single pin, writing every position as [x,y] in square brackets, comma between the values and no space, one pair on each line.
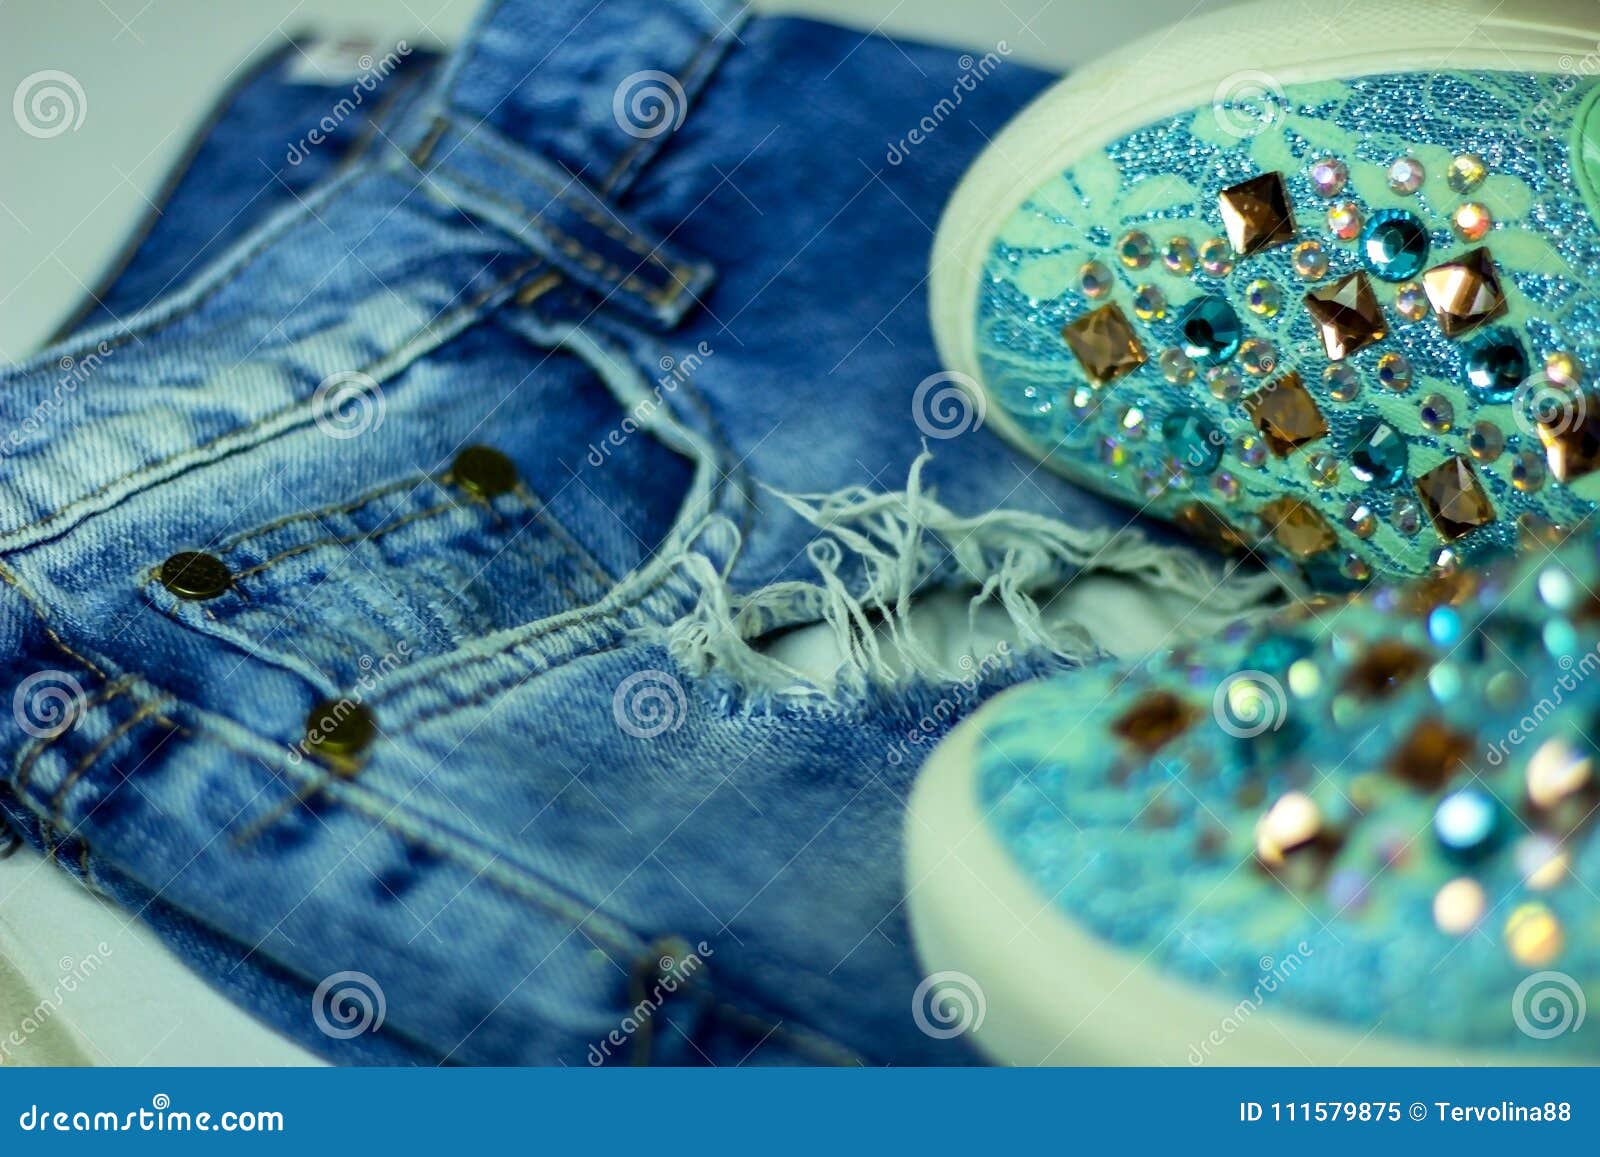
[1360,832]
[1316,287]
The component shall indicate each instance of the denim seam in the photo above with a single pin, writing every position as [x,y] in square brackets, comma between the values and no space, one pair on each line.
[697,59]
[29,757]
[574,202]
[347,540]
[348,507]
[471,309]
[143,711]
[665,296]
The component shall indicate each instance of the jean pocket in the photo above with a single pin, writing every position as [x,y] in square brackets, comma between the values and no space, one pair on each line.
[405,571]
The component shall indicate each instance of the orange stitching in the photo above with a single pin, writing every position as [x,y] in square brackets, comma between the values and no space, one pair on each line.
[92,756]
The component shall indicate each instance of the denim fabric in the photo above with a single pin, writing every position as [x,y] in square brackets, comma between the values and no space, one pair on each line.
[584,764]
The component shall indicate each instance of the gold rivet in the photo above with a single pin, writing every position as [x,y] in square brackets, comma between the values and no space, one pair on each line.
[483,471]
[193,574]
[339,730]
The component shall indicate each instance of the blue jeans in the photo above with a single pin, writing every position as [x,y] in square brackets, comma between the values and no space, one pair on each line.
[670,266]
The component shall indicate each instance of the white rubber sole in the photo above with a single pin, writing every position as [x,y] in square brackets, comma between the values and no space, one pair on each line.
[1183,67]
[1052,993]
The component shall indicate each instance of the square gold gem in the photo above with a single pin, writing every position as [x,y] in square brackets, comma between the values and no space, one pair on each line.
[1347,314]
[1465,292]
[1286,414]
[1256,213]
[1104,344]
[1454,498]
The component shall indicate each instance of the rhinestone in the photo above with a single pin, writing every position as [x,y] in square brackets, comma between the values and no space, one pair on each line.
[1179,255]
[1458,906]
[1286,414]
[1394,372]
[1342,383]
[1495,365]
[1466,172]
[1385,667]
[1410,302]
[1406,516]
[1215,257]
[1192,440]
[1149,303]
[1454,499]
[1225,383]
[1258,357]
[1344,220]
[1359,519]
[1154,721]
[1472,221]
[1094,279]
[1465,292]
[1405,176]
[1205,524]
[1486,442]
[1542,862]
[1556,771]
[1437,413]
[1430,755]
[1534,936]
[1563,369]
[1297,527]
[1085,402]
[1347,314]
[1354,567]
[1113,452]
[1210,330]
[1379,455]
[1395,245]
[1263,298]
[1104,344]
[1256,213]
[1468,824]
[1527,472]
[1571,438]
[1176,367]
[1252,451]
[1328,175]
[1323,470]
[1536,530]
[1226,486]
[1132,423]
[1135,249]
[1309,261]
[1292,824]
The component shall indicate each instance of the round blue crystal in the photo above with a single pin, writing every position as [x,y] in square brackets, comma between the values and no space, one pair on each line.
[1379,456]
[1467,824]
[1193,440]
[1495,365]
[1395,245]
[1210,329]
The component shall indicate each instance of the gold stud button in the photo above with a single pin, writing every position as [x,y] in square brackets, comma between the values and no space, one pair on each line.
[339,730]
[483,471]
[194,574]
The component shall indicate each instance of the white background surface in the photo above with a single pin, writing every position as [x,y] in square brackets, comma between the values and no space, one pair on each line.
[151,70]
